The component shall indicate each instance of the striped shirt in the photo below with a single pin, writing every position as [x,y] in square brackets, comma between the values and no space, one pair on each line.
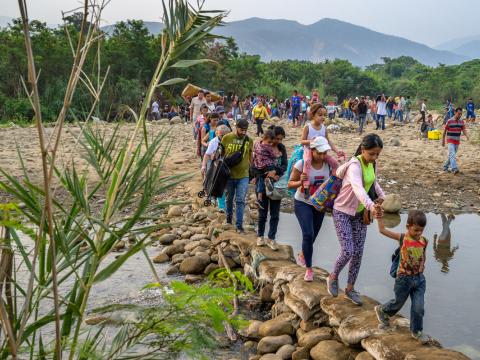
[454,130]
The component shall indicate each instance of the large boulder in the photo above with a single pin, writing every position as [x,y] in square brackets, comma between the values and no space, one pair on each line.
[311,293]
[430,353]
[392,203]
[281,325]
[194,264]
[268,269]
[312,338]
[252,331]
[355,328]
[339,308]
[331,350]
[271,344]
[285,352]
[174,211]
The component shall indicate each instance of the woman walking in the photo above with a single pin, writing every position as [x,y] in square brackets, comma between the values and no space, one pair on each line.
[309,218]
[260,113]
[267,204]
[352,210]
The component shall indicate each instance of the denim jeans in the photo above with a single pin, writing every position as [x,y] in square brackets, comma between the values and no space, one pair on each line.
[400,115]
[236,188]
[380,122]
[295,113]
[389,112]
[452,158]
[274,207]
[361,122]
[310,221]
[405,286]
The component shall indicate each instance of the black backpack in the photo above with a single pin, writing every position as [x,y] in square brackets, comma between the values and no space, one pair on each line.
[236,157]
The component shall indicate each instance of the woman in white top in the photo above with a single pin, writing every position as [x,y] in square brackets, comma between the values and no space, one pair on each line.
[381,112]
[309,218]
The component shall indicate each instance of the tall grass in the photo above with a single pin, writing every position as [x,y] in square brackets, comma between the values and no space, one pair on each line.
[70,238]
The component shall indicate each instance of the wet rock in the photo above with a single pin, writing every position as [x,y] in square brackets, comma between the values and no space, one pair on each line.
[194,265]
[364,356]
[161,258]
[331,350]
[392,203]
[266,294]
[285,352]
[211,267]
[174,211]
[173,249]
[174,269]
[281,325]
[193,279]
[167,239]
[312,338]
[301,354]
[271,344]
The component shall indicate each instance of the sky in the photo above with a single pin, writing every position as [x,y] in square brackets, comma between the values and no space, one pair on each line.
[427,21]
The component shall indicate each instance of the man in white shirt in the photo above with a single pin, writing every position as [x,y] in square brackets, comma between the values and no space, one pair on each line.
[196,104]
[155,111]
[423,110]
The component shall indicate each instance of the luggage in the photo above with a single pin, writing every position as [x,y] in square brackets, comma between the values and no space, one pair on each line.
[216,179]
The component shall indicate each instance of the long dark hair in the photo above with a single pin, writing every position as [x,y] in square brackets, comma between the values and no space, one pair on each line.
[370,141]
[277,130]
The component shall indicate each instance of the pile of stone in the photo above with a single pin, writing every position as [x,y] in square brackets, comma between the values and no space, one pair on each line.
[306,322]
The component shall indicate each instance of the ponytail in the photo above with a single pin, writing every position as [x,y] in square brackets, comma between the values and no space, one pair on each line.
[370,141]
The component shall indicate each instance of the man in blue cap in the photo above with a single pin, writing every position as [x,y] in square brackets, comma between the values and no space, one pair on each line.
[220,110]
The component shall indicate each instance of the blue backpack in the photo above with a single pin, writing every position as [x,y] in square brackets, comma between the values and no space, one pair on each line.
[396,258]
[297,155]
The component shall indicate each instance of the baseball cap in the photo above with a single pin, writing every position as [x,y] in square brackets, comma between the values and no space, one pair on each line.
[219,109]
[242,124]
[320,144]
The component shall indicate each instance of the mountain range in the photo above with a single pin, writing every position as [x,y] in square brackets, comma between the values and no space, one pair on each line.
[329,39]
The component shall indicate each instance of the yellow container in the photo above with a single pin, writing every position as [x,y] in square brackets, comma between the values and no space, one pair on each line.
[434,135]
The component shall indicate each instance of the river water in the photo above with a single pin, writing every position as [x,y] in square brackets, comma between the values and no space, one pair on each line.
[452,272]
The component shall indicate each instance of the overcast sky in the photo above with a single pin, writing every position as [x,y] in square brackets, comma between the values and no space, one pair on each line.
[428,21]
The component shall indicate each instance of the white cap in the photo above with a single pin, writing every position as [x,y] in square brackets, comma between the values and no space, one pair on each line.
[320,144]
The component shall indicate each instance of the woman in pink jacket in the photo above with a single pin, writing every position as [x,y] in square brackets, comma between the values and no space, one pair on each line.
[358,175]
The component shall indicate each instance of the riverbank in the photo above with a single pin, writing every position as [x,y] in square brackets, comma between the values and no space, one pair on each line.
[408,166]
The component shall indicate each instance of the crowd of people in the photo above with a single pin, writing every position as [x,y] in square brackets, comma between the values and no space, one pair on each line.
[266,164]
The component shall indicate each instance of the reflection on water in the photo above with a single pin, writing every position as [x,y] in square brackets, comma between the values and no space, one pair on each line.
[452,272]
[442,243]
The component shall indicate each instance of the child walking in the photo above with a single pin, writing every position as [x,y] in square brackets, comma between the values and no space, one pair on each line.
[264,159]
[410,280]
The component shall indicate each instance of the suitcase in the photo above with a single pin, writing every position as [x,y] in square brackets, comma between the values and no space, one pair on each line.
[215,180]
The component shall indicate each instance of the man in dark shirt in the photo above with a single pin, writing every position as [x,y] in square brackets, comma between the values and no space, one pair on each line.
[362,108]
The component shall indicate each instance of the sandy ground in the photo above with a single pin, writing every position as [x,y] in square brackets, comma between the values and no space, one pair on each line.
[413,169]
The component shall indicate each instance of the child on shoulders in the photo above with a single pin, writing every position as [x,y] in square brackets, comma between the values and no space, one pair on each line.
[409,280]
[263,161]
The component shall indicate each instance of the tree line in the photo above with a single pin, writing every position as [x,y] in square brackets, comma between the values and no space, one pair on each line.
[131,53]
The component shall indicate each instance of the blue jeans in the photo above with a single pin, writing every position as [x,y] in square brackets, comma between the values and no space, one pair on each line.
[452,158]
[274,207]
[399,115]
[236,188]
[295,113]
[310,221]
[361,122]
[405,286]
[389,112]
[380,122]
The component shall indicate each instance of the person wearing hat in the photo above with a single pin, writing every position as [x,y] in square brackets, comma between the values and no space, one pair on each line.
[237,185]
[220,110]
[309,218]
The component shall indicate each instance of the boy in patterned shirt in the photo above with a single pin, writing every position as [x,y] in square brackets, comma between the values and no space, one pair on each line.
[410,280]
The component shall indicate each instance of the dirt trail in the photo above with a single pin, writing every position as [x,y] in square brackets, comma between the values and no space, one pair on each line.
[412,169]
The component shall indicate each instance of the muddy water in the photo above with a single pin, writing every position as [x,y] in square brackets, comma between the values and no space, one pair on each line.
[452,272]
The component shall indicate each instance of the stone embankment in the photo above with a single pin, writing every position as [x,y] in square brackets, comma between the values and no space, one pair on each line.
[306,323]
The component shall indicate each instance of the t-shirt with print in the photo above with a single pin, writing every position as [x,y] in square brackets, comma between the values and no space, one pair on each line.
[231,143]
[412,256]
[296,101]
[316,178]
[454,130]
[195,106]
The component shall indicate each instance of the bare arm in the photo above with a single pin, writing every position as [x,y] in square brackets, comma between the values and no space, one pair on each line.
[384,231]
[304,136]
[296,179]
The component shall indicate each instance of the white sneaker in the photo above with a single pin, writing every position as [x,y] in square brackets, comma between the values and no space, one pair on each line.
[261,241]
[272,244]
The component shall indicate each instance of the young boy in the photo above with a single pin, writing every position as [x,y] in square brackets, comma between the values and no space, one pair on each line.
[426,127]
[410,280]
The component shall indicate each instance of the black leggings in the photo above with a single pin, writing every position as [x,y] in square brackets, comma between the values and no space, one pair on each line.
[259,126]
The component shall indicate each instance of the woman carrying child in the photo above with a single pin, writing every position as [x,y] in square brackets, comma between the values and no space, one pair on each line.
[309,218]
[266,204]
[352,210]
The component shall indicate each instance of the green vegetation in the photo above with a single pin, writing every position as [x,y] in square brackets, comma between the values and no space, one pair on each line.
[131,52]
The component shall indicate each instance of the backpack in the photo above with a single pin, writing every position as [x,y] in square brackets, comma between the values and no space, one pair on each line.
[297,155]
[396,258]
[235,158]
[280,189]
